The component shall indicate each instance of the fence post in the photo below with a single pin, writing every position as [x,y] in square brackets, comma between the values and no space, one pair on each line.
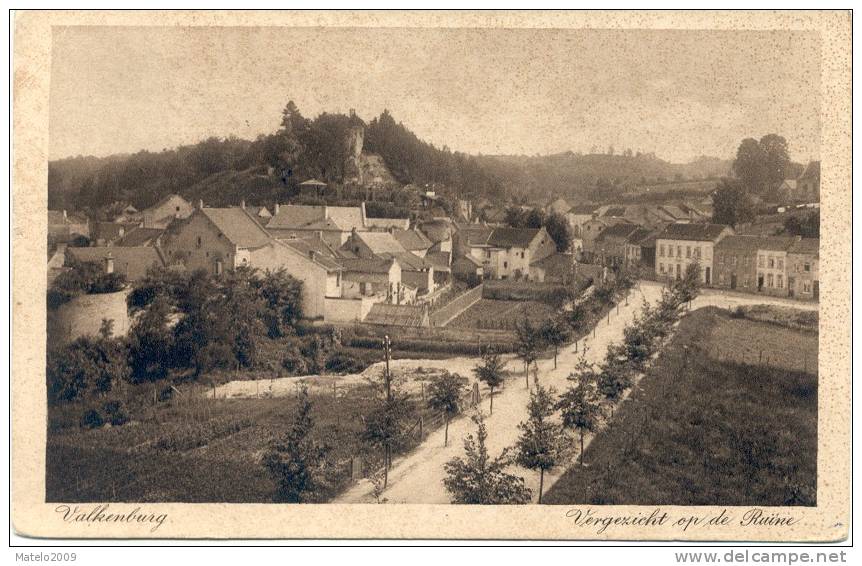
[421,429]
[761,357]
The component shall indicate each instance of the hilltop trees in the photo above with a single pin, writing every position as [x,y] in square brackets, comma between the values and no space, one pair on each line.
[556,224]
[479,479]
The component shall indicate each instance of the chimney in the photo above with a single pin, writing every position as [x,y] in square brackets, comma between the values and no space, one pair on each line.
[362,210]
[109,263]
[276,209]
[242,204]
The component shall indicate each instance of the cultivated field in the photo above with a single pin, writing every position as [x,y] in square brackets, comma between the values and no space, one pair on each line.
[502,315]
[705,429]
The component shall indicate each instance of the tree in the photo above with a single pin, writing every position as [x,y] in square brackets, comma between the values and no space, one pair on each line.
[687,288]
[86,364]
[295,461]
[478,479]
[151,342]
[490,372]
[732,204]
[385,424]
[540,445]
[615,375]
[762,165]
[283,301]
[555,332]
[445,395]
[527,337]
[580,410]
[559,230]
[807,226]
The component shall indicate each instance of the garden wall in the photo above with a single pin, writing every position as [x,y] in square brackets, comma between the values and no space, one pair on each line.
[83,316]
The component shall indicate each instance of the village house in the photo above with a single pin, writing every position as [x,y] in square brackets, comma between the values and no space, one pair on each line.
[591,229]
[640,250]
[140,236]
[413,241]
[578,215]
[555,268]
[735,263]
[105,233]
[609,247]
[772,265]
[439,232]
[165,211]
[558,206]
[805,188]
[131,262]
[803,269]
[416,272]
[679,245]
[511,251]
[333,223]
[223,239]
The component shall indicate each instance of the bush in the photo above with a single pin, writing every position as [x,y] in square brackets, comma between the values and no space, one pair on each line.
[216,355]
[294,362]
[738,312]
[342,362]
[91,419]
[85,364]
[115,413]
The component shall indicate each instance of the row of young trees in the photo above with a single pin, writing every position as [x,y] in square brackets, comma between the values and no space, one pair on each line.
[181,322]
[480,479]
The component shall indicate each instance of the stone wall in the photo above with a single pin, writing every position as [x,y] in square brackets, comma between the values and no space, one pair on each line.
[83,316]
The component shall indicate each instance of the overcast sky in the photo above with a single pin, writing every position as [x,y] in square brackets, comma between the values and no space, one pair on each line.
[680,94]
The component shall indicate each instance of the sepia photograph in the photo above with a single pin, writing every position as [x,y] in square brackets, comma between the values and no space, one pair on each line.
[512,265]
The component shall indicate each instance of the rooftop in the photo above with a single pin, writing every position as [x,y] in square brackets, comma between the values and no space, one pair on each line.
[399,315]
[134,262]
[512,237]
[238,226]
[412,240]
[695,232]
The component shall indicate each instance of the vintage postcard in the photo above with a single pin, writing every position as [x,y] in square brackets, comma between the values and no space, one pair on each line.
[432,275]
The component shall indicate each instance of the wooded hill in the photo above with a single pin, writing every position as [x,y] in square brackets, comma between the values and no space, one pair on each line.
[268,169]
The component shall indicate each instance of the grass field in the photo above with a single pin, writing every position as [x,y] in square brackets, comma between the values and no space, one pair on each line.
[702,430]
[503,315]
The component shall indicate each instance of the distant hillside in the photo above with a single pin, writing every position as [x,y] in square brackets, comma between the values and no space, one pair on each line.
[596,176]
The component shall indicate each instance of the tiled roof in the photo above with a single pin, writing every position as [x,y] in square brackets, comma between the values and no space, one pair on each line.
[615,211]
[475,235]
[399,315]
[621,230]
[512,237]
[313,242]
[440,260]
[409,261]
[436,230]
[309,251]
[366,265]
[346,217]
[238,226]
[412,240]
[639,235]
[806,246]
[133,262]
[694,232]
[140,237]
[381,242]
[739,243]
[296,216]
[166,199]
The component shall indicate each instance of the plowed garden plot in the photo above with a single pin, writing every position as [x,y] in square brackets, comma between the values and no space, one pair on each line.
[492,314]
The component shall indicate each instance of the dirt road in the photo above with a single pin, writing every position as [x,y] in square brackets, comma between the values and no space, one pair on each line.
[418,477]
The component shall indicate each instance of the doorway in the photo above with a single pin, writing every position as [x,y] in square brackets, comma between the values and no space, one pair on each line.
[733,280]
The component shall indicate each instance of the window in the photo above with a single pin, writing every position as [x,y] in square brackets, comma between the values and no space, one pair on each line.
[721,278]
[806,287]
[780,281]
[200,242]
[747,282]
[661,268]
[769,280]
[780,263]
[688,251]
[505,264]
[733,260]
[679,251]
[661,250]
[178,209]
[807,267]
[522,254]
[697,252]
[771,262]
[760,261]
[720,258]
